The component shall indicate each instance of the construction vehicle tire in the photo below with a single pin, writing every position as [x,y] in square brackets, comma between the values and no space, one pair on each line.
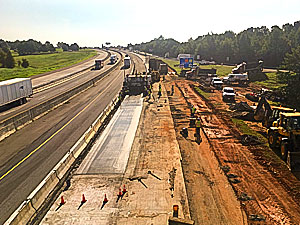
[272,139]
[284,150]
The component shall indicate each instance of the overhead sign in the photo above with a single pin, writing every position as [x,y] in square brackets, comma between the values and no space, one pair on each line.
[186,62]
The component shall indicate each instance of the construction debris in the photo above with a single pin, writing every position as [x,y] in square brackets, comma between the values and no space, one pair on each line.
[247,139]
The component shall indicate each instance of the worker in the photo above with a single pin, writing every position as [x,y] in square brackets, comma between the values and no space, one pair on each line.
[159,91]
[193,111]
[172,90]
[198,125]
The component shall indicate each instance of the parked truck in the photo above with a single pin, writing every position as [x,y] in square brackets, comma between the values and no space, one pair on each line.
[163,69]
[13,90]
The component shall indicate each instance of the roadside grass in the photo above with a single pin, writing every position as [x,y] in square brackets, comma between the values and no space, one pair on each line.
[203,93]
[271,83]
[44,63]
[245,129]
[222,70]
[172,64]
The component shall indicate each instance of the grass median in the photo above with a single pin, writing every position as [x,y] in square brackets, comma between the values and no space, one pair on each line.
[45,63]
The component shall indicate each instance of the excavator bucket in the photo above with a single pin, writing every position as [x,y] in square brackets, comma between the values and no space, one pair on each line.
[293,161]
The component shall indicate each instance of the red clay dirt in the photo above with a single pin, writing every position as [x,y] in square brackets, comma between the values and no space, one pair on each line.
[267,191]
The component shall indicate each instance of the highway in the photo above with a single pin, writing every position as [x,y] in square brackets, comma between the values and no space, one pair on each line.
[47,139]
[54,91]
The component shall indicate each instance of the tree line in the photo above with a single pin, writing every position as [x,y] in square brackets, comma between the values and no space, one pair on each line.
[252,44]
[28,47]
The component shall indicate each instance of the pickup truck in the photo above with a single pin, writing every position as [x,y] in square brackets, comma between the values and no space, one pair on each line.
[217,83]
[228,94]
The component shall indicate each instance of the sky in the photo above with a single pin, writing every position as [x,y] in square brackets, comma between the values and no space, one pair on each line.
[120,22]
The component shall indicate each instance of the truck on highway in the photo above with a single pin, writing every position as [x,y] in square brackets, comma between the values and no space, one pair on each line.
[113,59]
[98,64]
[13,90]
[126,62]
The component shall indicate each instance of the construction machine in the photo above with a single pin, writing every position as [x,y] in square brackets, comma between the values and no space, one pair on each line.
[285,134]
[136,84]
[267,114]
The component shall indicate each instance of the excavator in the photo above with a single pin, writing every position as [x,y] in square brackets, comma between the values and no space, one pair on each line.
[267,114]
[285,134]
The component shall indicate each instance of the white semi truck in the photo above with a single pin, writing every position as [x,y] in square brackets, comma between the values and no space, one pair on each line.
[127,62]
[13,90]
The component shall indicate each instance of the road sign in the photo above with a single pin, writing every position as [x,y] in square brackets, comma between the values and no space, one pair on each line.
[186,62]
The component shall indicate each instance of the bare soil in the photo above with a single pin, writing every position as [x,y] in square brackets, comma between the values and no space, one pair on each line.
[266,190]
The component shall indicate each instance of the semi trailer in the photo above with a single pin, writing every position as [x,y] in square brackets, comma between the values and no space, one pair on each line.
[13,90]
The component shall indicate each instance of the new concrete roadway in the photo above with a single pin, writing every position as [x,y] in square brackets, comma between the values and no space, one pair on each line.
[28,155]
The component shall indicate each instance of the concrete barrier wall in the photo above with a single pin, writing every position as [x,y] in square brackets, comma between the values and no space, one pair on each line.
[27,210]
[11,125]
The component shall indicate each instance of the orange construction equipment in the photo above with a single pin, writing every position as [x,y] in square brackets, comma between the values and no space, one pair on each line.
[83,199]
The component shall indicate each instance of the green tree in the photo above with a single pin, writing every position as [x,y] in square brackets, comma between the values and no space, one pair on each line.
[25,63]
[291,78]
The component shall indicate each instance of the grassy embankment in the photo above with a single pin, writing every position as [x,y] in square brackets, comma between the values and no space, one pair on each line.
[44,63]
[222,70]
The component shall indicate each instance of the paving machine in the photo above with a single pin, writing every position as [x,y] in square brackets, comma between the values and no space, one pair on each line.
[285,134]
[136,84]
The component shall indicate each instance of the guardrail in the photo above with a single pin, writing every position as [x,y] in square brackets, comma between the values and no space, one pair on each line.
[29,208]
[12,124]
[35,89]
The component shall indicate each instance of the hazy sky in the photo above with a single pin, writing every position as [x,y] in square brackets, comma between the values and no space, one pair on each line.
[93,22]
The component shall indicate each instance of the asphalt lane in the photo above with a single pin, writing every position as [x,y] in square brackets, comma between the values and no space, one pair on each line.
[40,80]
[19,183]
[54,91]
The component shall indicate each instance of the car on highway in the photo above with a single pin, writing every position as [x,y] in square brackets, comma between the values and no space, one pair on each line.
[228,94]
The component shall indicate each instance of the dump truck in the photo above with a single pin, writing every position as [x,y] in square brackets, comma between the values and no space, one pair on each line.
[98,64]
[136,84]
[154,64]
[13,90]
[163,69]
[285,134]
[267,114]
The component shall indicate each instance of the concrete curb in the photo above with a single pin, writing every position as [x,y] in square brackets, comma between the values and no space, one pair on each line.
[14,123]
[29,208]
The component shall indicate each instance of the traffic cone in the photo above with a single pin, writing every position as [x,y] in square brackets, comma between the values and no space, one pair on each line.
[105,199]
[62,201]
[124,189]
[83,199]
